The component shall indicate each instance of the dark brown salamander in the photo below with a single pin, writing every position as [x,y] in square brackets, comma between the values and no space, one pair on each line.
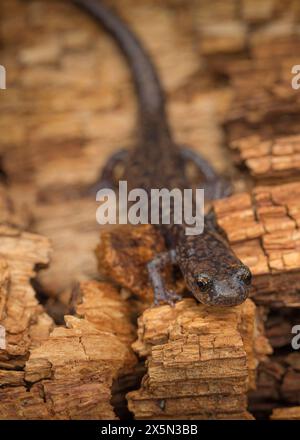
[211,271]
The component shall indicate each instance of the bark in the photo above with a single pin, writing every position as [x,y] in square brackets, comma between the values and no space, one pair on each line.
[200,362]
[262,229]
[70,374]
[292,413]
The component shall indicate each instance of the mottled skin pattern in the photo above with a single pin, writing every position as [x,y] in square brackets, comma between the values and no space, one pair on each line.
[211,271]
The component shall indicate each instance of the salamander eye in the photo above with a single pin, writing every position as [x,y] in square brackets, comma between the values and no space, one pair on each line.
[204,282]
[245,275]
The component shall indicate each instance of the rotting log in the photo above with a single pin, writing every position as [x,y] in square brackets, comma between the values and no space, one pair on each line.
[291,413]
[200,361]
[49,372]
[59,132]
[23,319]
[268,158]
[123,253]
[65,149]
[263,230]
[71,374]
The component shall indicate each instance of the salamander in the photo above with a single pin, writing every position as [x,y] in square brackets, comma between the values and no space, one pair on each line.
[212,272]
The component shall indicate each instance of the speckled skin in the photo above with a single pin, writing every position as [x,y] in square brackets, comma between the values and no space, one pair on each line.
[211,271]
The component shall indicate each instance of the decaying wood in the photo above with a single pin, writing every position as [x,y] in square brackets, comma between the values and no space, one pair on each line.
[268,96]
[58,134]
[261,121]
[100,304]
[269,158]
[22,318]
[71,113]
[49,372]
[70,375]
[277,383]
[262,130]
[279,324]
[21,314]
[278,376]
[23,321]
[263,230]
[123,253]
[292,413]
[181,386]
[200,361]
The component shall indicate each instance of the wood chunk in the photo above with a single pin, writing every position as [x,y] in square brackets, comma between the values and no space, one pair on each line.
[278,326]
[24,324]
[24,320]
[71,373]
[222,38]
[101,305]
[277,158]
[267,395]
[94,365]
[292,413]
[269,91]
[278,377]
[122,256]
[263,230]
[73,376]
[290,387]
[274,40]
[254,11]
[68,129]
[261,123]
[199,359]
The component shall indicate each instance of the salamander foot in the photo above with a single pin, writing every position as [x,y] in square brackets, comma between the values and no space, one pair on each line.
[161,294]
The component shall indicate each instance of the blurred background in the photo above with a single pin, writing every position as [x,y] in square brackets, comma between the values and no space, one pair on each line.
[226,67]
[69,103]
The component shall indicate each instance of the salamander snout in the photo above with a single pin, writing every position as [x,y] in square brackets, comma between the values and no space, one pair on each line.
[228,289]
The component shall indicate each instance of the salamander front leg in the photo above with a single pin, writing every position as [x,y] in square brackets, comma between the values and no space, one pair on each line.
[107,176]
[215,186]
[201,164]
[161,294]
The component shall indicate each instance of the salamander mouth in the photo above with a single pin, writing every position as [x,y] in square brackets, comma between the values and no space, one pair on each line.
[223,299]
[229,300]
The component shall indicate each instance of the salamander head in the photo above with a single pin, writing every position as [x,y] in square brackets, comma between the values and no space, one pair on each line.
[228,288]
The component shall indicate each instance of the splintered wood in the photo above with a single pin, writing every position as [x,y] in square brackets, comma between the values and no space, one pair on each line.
[70,104]
[58,133]
[262,119]
[123,254]
[262,123]
[269,158]
[23,320]
[199,361]
[292,413]
[277,382]
[263,230]
[71,373]
[49,372]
